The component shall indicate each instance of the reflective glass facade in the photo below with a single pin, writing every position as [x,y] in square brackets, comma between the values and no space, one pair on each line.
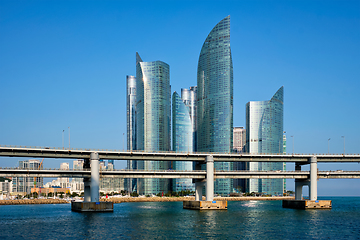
[182,140]
[264,134]
[215,99]
[153,116]
[188,96]
[131,126]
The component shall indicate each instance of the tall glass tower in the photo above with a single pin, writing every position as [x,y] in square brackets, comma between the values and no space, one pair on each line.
[153,116]
[188,96]
[215,99]
[131,126]
[264,134]
[182,140]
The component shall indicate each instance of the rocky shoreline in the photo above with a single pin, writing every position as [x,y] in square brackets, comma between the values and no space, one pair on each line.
[141,199]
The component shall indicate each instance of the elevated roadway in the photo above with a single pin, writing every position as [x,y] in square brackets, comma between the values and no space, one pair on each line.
[53,173]
[46,152]
[91,161]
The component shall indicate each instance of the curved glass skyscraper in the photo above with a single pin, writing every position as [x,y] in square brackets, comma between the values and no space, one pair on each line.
[264,134]
[182,126]
[215,98]
[189,98]
[182,140]
[153,116]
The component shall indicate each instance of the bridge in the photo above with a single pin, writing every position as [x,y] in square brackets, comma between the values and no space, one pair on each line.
[55,173]
[47,152]
[92,172]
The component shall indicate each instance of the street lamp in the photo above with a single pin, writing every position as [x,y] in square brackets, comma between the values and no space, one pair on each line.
[63,139]
[293,142]
[328,146]
[344,143]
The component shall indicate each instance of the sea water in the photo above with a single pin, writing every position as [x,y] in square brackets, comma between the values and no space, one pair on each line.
[168,220]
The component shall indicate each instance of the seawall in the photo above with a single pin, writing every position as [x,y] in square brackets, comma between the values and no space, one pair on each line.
[182,199]
[32,201]
[141,199]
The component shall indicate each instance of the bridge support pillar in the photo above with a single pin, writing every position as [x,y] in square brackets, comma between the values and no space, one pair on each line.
[209,178]
[312,203]
[87,182]
[298,184]
[87,187]
[298,188]
[198,190]
[91,189]
[198,183]
[313,178]
[95,177]
[209,204]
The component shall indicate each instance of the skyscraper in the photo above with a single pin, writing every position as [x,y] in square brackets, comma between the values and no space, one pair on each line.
[153,116]
[130,112]
[284,164]
[264,134]
[131,127]
[188,96]
[182,140]
[215,99]
[239,140]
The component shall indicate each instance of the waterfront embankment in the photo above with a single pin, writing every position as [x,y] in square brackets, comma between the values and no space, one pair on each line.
[140,199]
[181,199]
[32,201]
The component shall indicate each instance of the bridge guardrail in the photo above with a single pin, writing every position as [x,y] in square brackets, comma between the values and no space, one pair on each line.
[139,151]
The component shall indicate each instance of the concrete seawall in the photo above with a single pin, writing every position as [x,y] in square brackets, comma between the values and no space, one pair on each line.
[32,201]
[182,199]
[141,199]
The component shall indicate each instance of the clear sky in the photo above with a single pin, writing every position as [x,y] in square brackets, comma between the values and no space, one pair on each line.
[64,64]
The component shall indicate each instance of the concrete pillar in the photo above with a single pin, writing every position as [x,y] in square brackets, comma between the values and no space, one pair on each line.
[87,182]
[313,178]
[95,177]
[198,183]
[298,184]
[298,189]
[87,189]
[209,178]
[198,191]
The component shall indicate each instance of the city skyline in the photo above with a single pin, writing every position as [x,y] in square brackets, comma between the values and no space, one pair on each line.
[65,69]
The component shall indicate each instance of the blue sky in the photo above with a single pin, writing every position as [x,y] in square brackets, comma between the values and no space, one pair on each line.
[64,64]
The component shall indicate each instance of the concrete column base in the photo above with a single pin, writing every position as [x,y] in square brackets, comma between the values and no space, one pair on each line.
[92,206]
[307,204]
[205,205]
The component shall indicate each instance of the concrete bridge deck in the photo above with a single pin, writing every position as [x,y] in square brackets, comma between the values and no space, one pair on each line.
[92,176]
[53,173]
[47,152]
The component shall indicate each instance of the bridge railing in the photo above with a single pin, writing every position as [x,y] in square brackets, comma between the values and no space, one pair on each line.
[185,152]
[194,171]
